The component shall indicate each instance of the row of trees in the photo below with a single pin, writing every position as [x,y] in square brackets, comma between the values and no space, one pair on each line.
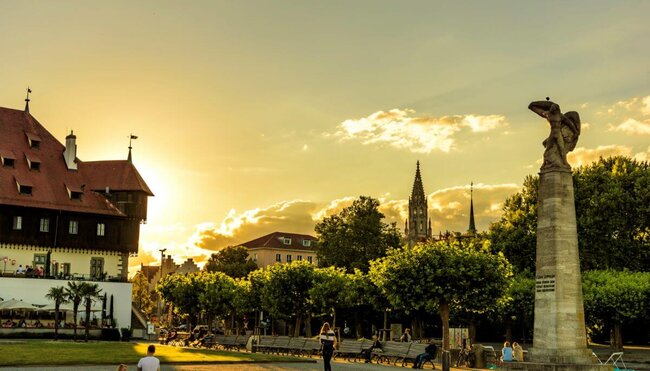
[76,293]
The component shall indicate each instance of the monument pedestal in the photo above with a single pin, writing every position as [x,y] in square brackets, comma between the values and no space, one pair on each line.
[560,336]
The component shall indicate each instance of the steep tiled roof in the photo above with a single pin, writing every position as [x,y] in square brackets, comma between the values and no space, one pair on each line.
[51,182]
[277,240]
[119,175]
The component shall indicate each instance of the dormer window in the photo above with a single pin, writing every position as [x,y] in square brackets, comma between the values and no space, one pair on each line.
[74,192]
[33,162]
[34,140]
[8,159]
[286,240]
[306,243]
[24,187]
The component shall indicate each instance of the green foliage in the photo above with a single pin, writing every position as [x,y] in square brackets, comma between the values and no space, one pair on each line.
[285,289]
[216,293]
[355,236]
[518,303]
[141,296]
[59,296]
[612,198]
[440,275]
[233,261]
[75,291]
[613,214]
[330,289]
[616,297]
[182,291]
[515,233]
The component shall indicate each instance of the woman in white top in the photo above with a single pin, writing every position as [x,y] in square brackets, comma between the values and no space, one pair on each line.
[328,342]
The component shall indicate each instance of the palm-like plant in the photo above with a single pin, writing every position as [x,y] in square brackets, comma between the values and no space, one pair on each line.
[90,292]
[74,291]
[60,296]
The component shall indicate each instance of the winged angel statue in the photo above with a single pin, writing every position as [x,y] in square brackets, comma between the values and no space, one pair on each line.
[565,130]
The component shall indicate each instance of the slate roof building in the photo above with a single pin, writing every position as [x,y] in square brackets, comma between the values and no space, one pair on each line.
[417,227]
[281,247]
[69,219]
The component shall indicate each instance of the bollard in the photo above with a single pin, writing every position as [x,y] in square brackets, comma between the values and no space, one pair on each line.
[446,361]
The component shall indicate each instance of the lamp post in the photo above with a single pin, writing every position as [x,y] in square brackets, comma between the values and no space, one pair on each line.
[160,304]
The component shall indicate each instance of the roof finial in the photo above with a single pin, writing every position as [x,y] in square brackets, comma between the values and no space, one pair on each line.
[27,100]
[131,137]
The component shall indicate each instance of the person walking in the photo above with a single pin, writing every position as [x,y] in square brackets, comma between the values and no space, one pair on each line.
[328,342]
[149,363]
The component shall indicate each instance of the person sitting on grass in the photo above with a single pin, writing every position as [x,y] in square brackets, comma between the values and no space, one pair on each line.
[149,363]
[429,354]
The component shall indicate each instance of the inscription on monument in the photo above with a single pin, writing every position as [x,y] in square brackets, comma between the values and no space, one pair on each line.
[545,283]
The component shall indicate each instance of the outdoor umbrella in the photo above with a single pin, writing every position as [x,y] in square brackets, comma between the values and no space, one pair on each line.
[14,304]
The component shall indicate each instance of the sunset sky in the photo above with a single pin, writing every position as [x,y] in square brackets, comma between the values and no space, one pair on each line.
[258,116]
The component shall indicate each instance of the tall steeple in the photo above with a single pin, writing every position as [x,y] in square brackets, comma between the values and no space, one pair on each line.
[472,227]
[418,225]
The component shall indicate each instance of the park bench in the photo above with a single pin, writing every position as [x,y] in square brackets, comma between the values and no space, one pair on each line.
[229,342]
[265,344]
[414,351]
[180,339]
[281,344]
[391,350]
[214,341]
[612,360]
[350,348]
[309,348]
[296,345]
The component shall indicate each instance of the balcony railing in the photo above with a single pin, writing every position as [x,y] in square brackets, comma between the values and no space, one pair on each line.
[69,277]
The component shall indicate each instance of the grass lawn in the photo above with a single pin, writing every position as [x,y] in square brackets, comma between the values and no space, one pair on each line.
[48,352]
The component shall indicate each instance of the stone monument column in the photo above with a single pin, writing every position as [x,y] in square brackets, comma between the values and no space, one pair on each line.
[559,332]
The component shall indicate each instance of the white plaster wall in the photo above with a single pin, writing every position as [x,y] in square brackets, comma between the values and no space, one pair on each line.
[79,259]
[33,291]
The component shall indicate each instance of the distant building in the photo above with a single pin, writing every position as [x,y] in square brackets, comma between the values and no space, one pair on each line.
[417,227]
[64,218]
[281,247]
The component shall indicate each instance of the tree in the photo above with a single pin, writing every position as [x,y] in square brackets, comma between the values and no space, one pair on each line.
[74,291]
[517,306]
[440,275]
[285,291]
[141,295]
[217,294]
[233,261]
[90,292]
[182,292]
[330,290]
[515,233]
[615,298]
[356,235]
[612,199]
[59,296]
[613,214]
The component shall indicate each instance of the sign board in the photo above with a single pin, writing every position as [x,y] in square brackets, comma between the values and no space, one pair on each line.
[151,329]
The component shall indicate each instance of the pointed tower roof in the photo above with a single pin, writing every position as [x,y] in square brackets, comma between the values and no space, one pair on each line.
[418,188]
[472,225]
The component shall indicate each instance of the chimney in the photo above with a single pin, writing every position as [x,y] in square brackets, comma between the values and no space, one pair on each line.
[70,153]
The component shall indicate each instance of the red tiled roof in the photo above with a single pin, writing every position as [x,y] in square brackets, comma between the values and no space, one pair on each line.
[276,240]
[49,182]
[118,175]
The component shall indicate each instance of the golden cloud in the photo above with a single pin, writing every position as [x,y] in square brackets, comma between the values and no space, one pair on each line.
[582,156]
[633,126]
[401,129]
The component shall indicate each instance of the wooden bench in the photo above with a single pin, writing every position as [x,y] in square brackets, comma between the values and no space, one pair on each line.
[391,350]
[265,344]
[229,342]
[295,345]
[349,349]
[309,348]
[281,344]
[415,350]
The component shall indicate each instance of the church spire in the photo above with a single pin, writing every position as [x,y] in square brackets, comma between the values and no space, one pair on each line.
[131,137]
[418,225]
[472,226]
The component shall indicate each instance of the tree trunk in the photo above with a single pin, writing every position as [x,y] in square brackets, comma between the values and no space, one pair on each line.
[75,312]
[296,330]
[333,318]
[509,331]
[357,325]
[87,320]
[308,327]
[472,331]
[444,316]
[56,321]
[383,335]
[616,336]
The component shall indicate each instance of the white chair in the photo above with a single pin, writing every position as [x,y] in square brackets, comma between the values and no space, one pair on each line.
[612,360]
